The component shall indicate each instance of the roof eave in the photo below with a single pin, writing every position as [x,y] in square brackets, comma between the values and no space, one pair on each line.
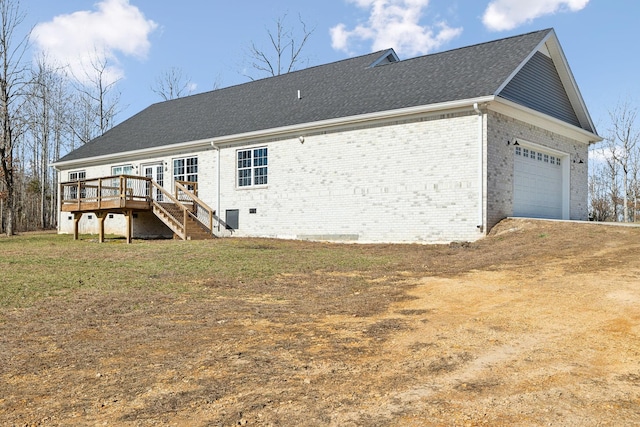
[297,130]
[128,155]
[354,120]
[520,112]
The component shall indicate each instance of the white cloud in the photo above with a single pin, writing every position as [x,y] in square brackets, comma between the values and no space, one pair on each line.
[394,24]
[502,15]
[80,39]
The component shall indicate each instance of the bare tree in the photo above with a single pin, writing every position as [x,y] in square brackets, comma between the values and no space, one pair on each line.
[13,81]
[621,144]
[46,112]
[601,205]
[172,83]
[97,103]
[284,51]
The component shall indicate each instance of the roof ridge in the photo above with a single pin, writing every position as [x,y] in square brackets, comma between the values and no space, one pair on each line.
[517,36]
[353,58]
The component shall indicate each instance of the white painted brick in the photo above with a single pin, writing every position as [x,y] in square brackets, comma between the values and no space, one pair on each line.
[406,182]
[412,181]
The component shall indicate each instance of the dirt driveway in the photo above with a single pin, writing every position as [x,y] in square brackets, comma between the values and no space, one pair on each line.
[536,325]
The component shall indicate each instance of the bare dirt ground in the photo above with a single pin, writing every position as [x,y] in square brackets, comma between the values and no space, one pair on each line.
[538,324]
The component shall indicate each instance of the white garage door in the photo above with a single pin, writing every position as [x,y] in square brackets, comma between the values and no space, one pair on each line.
[537,184]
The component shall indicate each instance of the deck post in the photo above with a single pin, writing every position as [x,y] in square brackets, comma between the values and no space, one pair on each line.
[101,217]
[185,215]
[76,221]
[129,215]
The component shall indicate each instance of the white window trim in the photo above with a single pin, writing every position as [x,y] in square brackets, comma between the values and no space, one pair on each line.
[186,174]
[252,168]
[123,166]
[77,172]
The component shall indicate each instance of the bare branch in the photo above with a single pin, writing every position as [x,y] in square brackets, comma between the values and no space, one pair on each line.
[284,52]
[172,83]
[622,145]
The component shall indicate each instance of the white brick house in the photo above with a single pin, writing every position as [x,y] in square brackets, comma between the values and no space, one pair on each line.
[370,149]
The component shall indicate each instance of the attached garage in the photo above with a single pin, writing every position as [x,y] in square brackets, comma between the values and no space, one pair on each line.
[539,183]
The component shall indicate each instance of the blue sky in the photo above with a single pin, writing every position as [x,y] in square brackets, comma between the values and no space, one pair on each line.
[208,39]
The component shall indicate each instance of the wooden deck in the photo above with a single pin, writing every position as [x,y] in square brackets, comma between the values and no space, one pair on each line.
[123,194]
[107,205]
[126,194]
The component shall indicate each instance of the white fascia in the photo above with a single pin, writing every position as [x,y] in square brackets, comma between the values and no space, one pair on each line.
[382,116]
[551,45]
[277,132]
[544,121]
[133,155]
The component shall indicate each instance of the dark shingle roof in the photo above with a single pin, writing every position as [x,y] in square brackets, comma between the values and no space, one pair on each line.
[340,89]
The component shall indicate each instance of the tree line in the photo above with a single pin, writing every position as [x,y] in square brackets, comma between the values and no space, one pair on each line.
[46,112]
[614,169]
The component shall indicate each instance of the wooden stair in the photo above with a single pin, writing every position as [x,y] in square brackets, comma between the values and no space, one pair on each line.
[180,218]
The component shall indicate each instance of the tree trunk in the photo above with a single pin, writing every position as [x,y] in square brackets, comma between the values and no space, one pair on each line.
[10,211]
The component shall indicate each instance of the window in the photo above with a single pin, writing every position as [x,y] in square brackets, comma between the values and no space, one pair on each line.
[122,170]
[185,169]
[252,167]
[115,182]
[77,175]
[73,191]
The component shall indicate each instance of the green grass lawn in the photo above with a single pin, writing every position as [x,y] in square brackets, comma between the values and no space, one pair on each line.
[36,266]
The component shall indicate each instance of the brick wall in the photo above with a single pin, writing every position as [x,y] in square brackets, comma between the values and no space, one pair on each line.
[400,182]
[409,181]
[501,129]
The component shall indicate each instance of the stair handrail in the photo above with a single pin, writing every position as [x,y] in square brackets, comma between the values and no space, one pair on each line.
[198,204]
[185,210]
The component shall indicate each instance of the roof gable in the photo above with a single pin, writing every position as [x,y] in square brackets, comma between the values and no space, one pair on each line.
[545,83]
[388,57]
[538,86]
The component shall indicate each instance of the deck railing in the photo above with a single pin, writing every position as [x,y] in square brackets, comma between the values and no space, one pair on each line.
[190,186]
[104,193]
[129,193]
[201,212]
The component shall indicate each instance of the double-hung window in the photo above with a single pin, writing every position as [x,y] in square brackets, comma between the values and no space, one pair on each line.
[77,175]
[252,167]
[122,170]
[185,169]
[115,183]
[73,191]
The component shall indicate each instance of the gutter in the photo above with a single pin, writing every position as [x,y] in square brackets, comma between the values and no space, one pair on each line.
[127,155]
[277,132]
